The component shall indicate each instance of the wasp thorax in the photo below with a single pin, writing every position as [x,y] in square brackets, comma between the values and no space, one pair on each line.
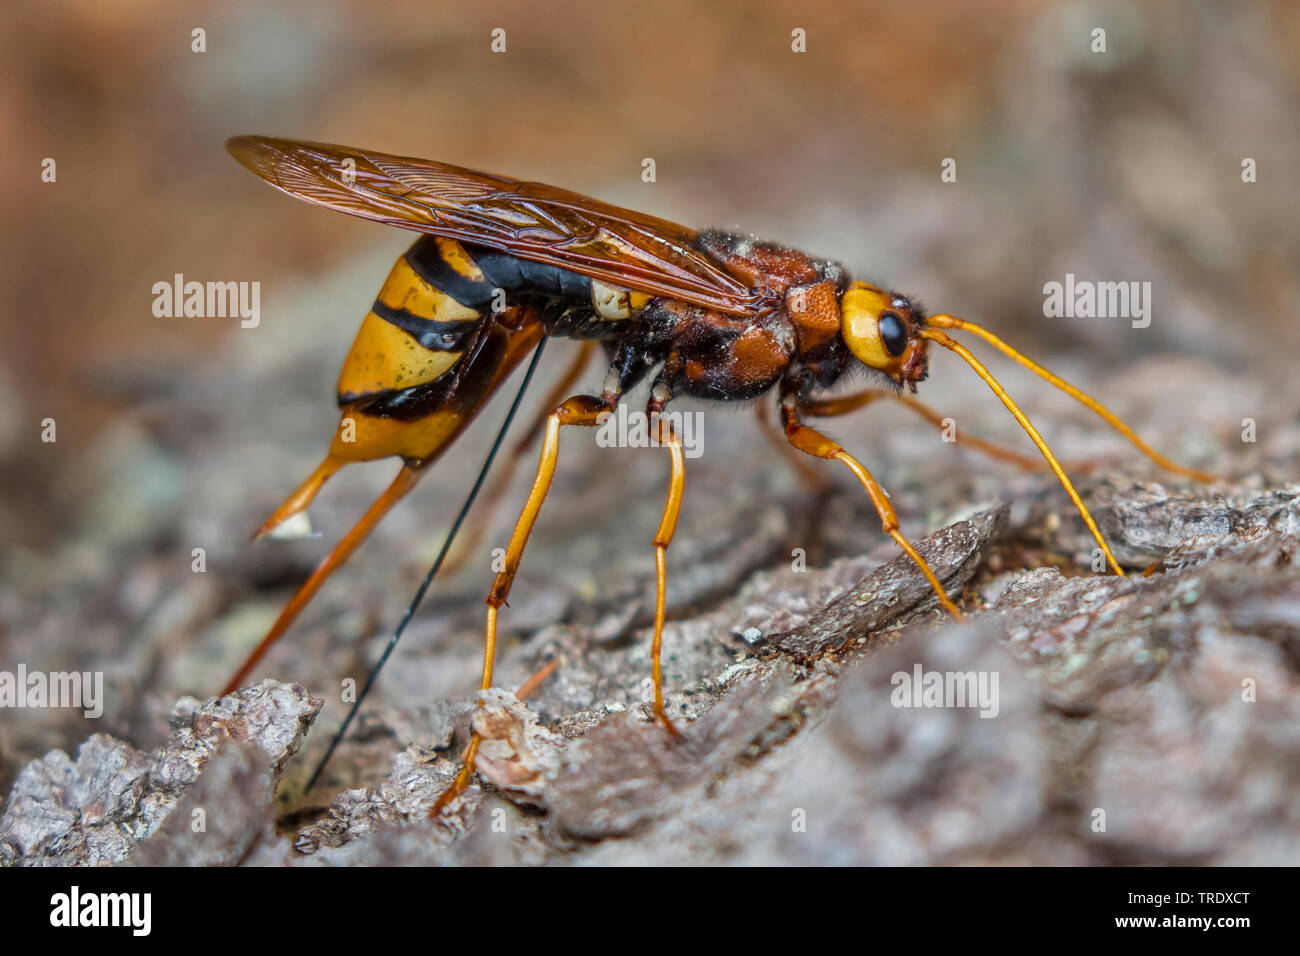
[879,327]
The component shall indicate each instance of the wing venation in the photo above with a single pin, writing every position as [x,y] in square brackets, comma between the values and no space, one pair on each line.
[530,220]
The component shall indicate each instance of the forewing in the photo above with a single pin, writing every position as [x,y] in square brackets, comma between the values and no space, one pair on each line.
[529,220]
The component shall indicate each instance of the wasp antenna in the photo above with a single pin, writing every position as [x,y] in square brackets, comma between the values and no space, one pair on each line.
[942,338]
[952,322]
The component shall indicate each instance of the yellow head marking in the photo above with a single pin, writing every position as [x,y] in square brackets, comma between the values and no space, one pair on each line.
[861,307]
[879,328]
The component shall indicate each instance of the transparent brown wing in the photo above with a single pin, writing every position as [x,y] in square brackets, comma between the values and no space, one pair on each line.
[529,220]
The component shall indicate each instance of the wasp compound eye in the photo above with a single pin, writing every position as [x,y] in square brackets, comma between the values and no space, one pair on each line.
[893,332]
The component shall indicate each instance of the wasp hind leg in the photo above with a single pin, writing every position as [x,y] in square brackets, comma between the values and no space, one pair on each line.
[812,442]
[580,410]
[468,543]
[663,537]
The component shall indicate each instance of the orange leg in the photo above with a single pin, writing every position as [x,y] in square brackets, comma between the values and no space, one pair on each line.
[812,442]
[580,410]
[663,537]
[468,543]
[812,477]
[403,483]
[843,404]
[526,689]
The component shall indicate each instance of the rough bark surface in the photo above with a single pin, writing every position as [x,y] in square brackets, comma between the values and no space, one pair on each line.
[1165,706]
[1145,719]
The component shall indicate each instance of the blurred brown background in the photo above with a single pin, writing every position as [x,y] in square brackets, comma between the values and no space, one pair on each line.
[1117,166]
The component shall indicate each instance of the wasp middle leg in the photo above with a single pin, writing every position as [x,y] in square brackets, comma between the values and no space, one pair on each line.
[585,411]
[580,410]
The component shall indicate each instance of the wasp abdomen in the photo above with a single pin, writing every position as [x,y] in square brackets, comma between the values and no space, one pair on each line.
[420,325]
[433,303]
[571,289]
[521,275]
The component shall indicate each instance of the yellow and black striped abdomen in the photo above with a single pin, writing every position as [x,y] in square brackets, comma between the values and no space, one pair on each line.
[434,300]
[417,329]
[400,385]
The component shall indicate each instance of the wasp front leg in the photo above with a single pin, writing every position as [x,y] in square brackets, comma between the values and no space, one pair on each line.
[843,404]
[812,442]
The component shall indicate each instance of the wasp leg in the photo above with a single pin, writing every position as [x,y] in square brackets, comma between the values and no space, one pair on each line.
[580,410]
[814,443]
[468,543]
[526,689]
[663,537]
[843,404]
[815,480]
[403,483]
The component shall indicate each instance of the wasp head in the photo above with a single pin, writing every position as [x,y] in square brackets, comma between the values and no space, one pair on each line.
[881,330]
